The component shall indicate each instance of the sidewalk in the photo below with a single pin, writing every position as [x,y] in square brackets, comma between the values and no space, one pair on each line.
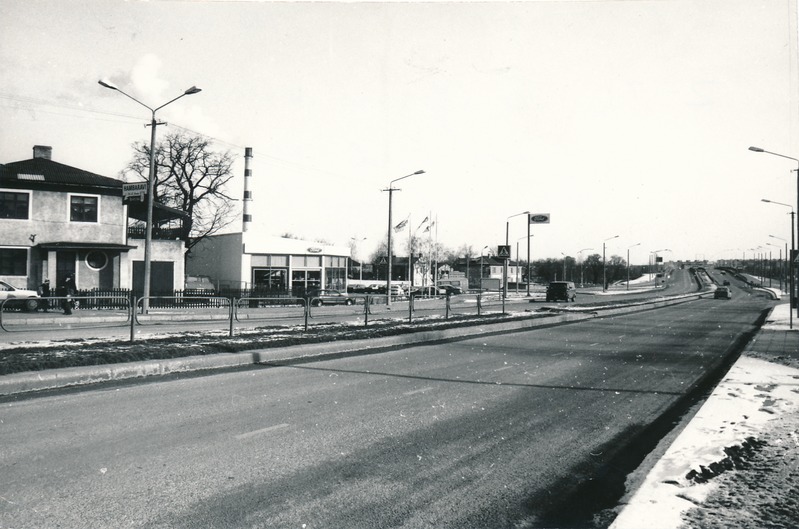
[736,464]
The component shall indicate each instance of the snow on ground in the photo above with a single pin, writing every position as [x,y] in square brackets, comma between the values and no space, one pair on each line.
[736,464]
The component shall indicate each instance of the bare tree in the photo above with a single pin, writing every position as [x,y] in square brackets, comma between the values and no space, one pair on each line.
[190,177]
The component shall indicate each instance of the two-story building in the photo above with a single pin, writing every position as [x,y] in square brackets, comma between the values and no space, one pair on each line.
[57,220]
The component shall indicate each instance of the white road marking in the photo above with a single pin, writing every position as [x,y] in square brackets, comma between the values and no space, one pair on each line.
[261,431]
[420,390]
[503,368]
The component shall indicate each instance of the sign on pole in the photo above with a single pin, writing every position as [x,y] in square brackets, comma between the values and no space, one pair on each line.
[137,189]
[503,251]
[539,218]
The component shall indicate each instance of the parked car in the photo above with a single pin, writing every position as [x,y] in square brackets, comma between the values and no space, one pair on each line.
[561,290]
[428,291]
[722,293]
[318,297]
[726,283]
[25,299]
[452,290]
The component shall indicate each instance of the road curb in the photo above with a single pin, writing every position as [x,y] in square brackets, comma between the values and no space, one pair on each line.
[75,376]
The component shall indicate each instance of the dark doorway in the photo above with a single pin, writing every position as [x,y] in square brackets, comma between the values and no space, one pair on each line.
[65,265]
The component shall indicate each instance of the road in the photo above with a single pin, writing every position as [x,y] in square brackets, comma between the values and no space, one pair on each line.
[486,432]
[26,327]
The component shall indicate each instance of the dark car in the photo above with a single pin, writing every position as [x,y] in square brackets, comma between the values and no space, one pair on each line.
[722,293]
[329,297]
[561,290]
[726,283]
[428,291]
[452,290]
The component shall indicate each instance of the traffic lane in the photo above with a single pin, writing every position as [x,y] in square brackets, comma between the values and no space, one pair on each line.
[460,434]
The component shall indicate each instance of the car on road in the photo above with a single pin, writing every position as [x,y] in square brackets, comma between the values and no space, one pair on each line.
[722,293]
[726,283]
[319,297]
[428,291]
[23,299]
[561,290]
[452,290]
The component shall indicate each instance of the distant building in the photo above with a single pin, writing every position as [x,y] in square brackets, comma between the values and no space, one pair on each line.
[57,220]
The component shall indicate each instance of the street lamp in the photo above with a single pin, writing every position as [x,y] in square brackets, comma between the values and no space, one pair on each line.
[782,261]
[507,243]
[604,272]
[528,261]
[391,190]
[791,267]
[758,149]
[628,263]
[148,234]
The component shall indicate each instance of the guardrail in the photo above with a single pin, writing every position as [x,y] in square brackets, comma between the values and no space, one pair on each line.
[232,311]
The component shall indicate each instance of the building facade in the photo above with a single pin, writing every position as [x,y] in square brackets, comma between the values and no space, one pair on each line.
[57,220]
[269,265]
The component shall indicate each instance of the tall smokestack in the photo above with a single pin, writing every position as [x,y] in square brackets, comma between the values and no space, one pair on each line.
[247,217]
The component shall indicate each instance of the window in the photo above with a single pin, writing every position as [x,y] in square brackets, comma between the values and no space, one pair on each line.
[83,208]
[96,260]
[13,261]
[14,205]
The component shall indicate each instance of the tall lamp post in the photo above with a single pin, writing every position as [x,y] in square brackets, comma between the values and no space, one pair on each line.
[528,260]
[604,271]
[391,190]
[782,262]
[148,234]
[653,256]
[354,249]
[628,263]
[793,282]
[507,243]
[482,253]
[791,267]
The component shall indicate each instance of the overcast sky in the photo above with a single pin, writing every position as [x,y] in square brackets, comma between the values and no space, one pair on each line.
[629,118]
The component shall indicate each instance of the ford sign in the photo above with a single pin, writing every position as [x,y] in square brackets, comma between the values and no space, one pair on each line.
[539,218]
[314,250]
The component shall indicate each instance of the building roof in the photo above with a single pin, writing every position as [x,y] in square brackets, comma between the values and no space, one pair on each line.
[41,173]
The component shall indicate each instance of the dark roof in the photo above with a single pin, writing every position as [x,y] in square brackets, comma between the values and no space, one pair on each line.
[161,213]
[38,173]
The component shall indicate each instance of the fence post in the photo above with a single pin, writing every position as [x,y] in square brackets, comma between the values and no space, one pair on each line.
[132,311]
[366,305]
[446,313]
[307,311]
[410,308]
[479,303]
[232,311]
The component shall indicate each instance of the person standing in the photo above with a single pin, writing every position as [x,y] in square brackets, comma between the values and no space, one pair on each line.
[44,292]
[67,290]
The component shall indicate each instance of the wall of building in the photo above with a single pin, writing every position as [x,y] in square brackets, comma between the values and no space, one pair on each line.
[219,257]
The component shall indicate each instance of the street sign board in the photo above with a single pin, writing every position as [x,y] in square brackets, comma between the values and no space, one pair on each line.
[134,189]
[539,218]
[503,251]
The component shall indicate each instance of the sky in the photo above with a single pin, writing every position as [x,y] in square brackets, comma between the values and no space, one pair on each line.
[628,118]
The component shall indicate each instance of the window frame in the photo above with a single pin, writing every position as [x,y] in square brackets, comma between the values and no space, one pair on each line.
[24,250]
[70,196]
[19,192]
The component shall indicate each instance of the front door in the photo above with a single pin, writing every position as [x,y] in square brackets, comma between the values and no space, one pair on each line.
[65,265]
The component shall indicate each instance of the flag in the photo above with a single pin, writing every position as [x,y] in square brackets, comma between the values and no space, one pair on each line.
[427,229]
[422,223]
[401,225]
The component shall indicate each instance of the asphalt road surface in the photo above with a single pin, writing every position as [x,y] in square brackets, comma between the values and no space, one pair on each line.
[489,432]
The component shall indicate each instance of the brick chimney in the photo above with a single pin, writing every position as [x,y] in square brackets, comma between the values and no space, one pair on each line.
[42,151]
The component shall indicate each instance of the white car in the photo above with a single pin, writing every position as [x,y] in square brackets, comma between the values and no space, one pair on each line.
[29,298]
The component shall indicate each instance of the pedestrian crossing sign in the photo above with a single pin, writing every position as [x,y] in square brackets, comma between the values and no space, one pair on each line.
[503,251]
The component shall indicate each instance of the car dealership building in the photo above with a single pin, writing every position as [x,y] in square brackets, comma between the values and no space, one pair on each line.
[270,265]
